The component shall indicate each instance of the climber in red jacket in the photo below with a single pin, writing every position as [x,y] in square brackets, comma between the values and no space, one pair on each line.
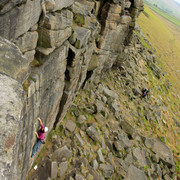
[40,137]
[145,92]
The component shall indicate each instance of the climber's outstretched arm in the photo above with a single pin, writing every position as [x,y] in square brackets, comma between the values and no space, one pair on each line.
[39,121]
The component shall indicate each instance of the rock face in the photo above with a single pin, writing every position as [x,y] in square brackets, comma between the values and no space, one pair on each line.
[12,63]
[48,51]
[17,18]
[11,106]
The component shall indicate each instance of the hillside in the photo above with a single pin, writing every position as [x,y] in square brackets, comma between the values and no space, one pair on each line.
[49,50]
[111,132]
[165,37]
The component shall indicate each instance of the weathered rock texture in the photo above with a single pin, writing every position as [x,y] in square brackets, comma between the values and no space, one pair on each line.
[60,45]
[100,136]
[10,118]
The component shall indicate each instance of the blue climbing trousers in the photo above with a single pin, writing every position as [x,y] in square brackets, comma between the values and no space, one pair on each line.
[36,147]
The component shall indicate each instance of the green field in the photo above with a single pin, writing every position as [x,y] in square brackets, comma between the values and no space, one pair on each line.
[164,14]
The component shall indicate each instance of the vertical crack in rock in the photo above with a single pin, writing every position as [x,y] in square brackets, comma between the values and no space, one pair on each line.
[70,59]
[88,76]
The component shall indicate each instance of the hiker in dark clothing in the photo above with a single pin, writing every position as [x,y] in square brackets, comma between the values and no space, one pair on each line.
[145,92]
[40,137]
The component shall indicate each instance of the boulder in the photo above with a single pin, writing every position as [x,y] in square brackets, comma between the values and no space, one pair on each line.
[107,169]
[93,133]
[115,107]
[107,92]
[129,158]
[99,106]
[103,145]
[53,170]
[163,152]
[140,157]
[63,167]
[100,156]
[95,164]
[81,119]
[70,125]
[100,118]
[148,142]
[119,145]
[79,140]
[128,128]
[124,138]
[61,153]
[134,172]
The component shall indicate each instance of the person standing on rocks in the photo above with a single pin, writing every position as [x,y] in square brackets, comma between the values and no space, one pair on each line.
[145,92]
[40,137]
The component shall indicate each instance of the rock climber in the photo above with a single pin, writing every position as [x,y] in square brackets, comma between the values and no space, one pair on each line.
[40,137]
[145,92]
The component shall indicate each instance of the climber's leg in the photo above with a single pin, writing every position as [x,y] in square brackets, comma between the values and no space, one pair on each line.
[36,147]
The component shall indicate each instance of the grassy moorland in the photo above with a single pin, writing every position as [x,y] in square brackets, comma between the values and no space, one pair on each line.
[165,38]
[164,14]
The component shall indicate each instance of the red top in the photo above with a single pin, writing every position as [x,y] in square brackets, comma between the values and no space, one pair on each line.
[41,134]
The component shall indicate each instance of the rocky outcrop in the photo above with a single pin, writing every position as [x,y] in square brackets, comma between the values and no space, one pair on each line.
[51,49]
[18,17]
[11,106]
[12,62]
[106,144]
